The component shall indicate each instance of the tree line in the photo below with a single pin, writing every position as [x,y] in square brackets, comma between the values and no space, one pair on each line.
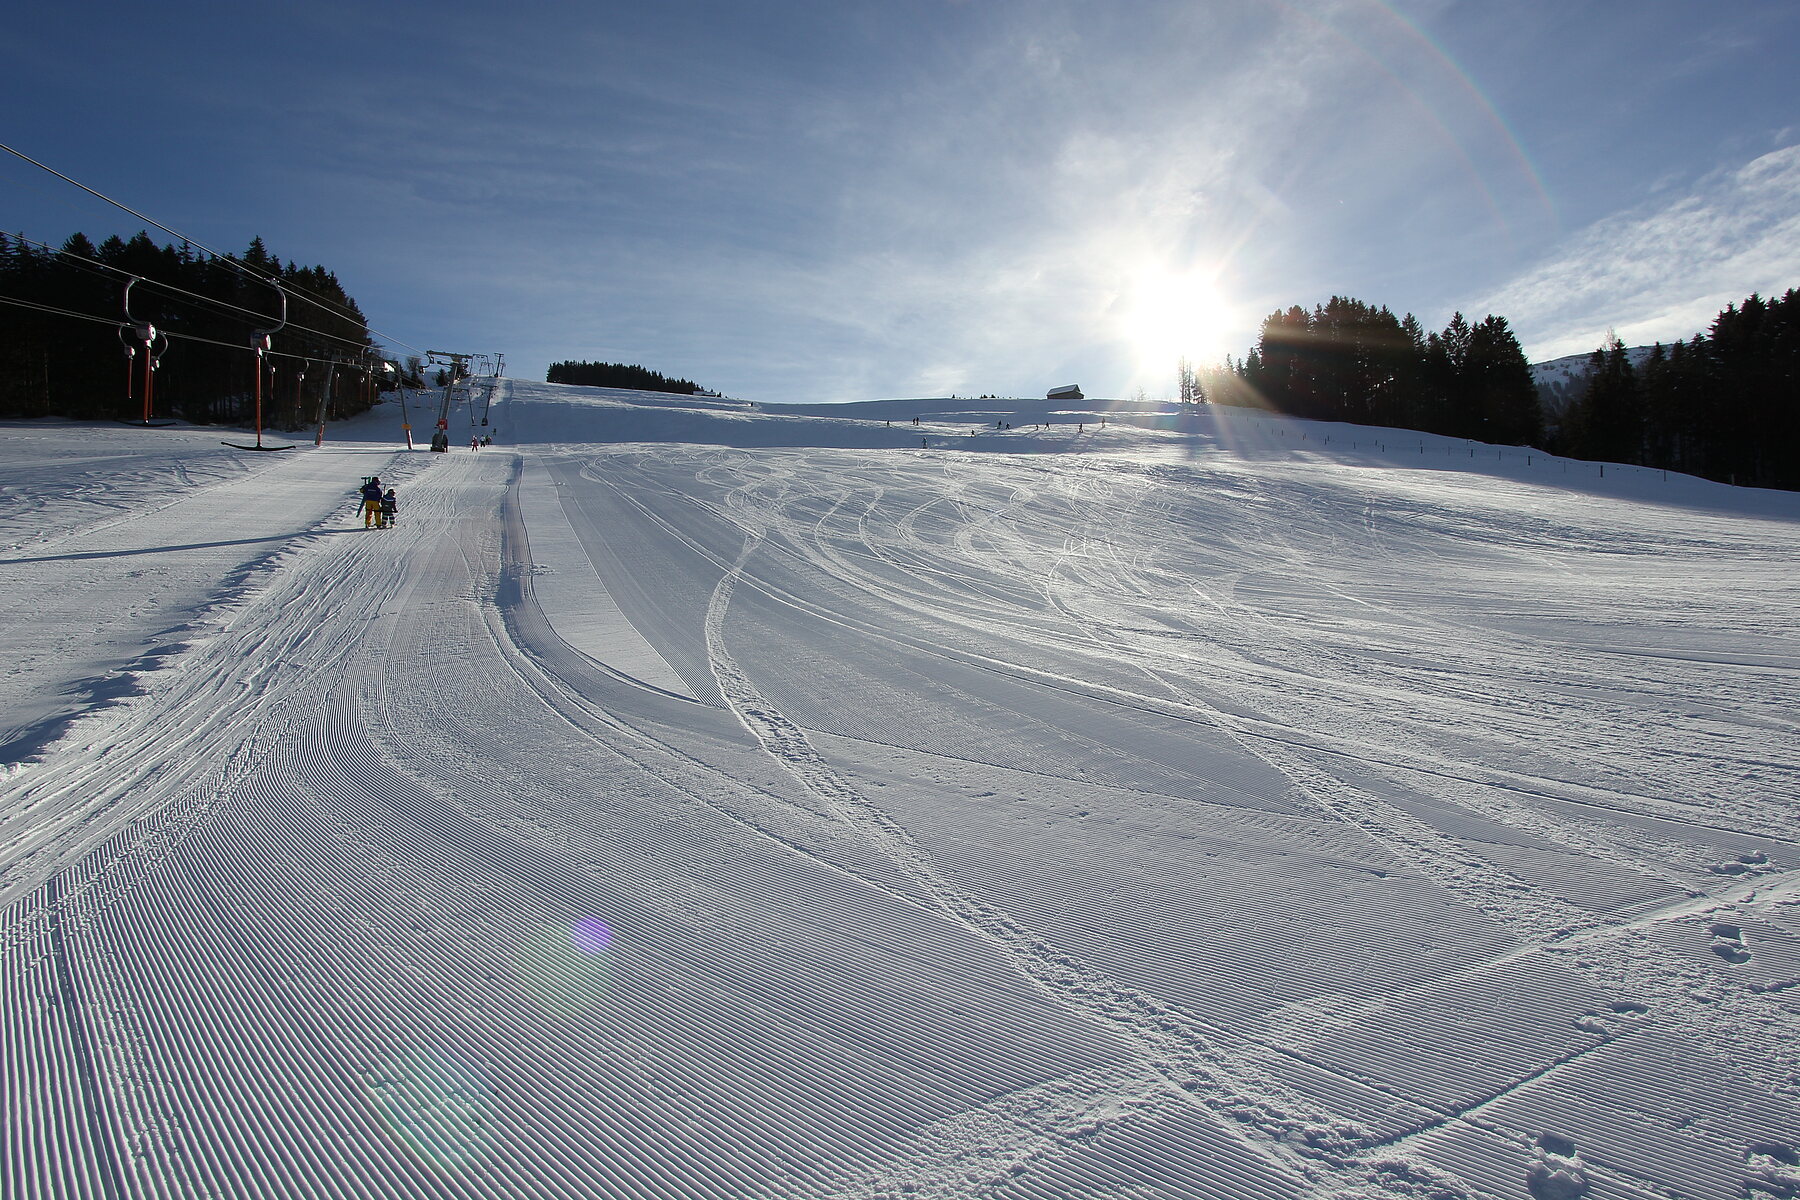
[1350,361]
[617,375]
[1724,405]
[69,347]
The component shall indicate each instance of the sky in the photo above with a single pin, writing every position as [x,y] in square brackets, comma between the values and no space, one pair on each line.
[815,201]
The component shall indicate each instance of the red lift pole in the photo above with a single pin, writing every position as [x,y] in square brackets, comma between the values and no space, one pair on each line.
[260,342]
[130,368]
[147,334]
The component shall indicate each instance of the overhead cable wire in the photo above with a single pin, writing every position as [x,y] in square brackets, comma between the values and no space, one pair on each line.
[62,312]
[231,259]
[170,333]
[250,312]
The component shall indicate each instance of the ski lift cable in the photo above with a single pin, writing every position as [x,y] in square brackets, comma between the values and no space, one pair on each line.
[89,264]
[231,259]
[185,337]
[94,266]
[62,312]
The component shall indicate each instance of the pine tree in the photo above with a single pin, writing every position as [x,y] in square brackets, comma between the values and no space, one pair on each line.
[1457,416]
[1610,422]
[1497,381]
[59,365]
[1284,369]
[1402,403]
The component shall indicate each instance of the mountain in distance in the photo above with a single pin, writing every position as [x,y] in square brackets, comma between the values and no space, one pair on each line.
[1561,380]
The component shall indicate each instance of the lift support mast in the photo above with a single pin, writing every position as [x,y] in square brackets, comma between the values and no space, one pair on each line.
[458,368]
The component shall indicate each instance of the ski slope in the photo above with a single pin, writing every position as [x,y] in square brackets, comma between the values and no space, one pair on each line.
[688,799]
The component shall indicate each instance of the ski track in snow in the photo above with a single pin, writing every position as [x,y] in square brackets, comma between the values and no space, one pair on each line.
[1447,860]
[1039,825]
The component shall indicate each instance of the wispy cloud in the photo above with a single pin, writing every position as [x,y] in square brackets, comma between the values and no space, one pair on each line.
[1022,180]
[1662,273]
[822,200]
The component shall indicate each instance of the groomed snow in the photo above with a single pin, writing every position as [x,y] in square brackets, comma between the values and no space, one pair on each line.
[691,799]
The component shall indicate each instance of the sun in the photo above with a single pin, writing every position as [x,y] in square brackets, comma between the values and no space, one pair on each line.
[1171,315]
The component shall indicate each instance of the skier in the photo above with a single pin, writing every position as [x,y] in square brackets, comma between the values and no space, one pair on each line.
[371,500]
[474,442]
[389,506]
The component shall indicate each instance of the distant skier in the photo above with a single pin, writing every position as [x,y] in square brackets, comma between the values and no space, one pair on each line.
[474,443]
[371,501]
[389,507]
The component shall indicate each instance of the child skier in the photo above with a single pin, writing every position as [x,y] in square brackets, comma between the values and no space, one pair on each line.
[389,506]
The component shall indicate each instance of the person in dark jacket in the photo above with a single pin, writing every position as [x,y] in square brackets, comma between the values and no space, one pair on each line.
[389,506]
[371,501]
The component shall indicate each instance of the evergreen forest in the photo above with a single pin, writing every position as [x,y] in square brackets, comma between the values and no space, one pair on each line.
[73,325]
[617,375]
[1724,405]
[1349,361]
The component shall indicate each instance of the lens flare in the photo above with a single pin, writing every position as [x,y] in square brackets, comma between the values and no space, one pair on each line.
[433,1104]
[592,936]
[566,968]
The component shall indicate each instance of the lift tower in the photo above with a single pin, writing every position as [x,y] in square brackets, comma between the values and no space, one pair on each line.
[459,367]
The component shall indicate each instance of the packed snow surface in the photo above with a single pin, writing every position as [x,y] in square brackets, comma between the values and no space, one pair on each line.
[688,799]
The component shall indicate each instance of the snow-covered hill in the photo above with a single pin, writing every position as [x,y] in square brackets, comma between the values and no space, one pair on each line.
[693,800]
[1560,380]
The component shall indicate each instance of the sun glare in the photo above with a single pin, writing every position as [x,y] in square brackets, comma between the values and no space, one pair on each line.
[1171,315]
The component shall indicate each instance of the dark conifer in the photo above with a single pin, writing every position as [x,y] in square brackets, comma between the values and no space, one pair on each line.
[1498,382]
[76,365]
[617,375]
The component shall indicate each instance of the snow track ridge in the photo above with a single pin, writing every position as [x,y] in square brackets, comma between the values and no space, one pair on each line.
[1180,1062]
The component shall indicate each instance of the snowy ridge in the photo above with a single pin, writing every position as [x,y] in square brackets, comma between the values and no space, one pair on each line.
[1560,381]
[691,800]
